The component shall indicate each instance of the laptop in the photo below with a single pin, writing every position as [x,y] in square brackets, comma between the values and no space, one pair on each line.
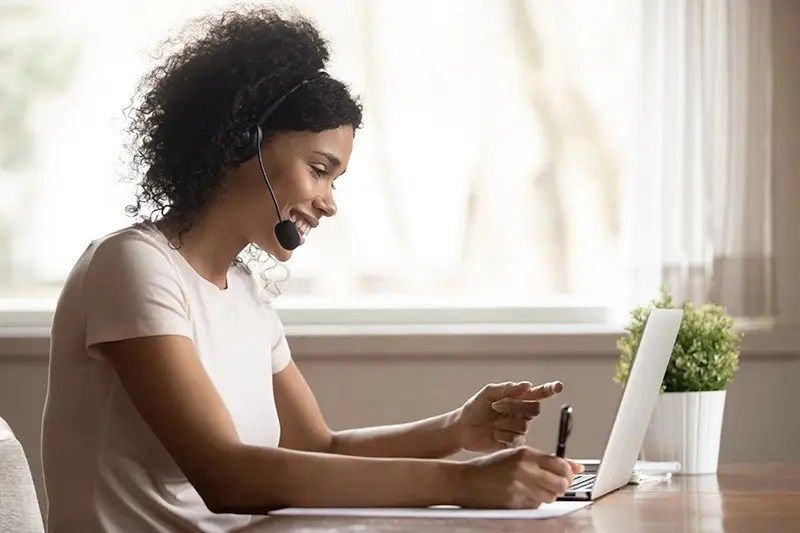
[635,408]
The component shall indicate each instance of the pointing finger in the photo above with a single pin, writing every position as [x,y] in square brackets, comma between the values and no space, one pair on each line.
[543,391]
[515,389]
[495,391]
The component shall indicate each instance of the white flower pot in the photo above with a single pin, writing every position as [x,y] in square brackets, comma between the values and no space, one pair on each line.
[686,427]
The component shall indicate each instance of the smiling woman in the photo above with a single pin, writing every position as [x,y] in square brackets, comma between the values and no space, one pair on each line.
[170,293]
[193,147]
[173,402]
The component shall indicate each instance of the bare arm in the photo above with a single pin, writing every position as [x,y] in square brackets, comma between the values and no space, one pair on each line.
[520,477]
[303,427]
[172,391]
[302,424]
[429,438]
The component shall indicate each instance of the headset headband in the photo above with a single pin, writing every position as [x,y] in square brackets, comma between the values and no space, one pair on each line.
[271,109]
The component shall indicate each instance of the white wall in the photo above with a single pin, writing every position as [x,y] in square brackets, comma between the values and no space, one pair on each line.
[762,400]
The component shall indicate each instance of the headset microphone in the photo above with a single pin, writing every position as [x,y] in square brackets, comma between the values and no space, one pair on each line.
[250,145]
[285,230]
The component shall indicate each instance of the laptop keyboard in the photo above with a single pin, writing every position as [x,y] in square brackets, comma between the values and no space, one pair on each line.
[581,482]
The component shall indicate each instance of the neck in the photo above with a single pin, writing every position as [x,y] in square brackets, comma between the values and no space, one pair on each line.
[210,245]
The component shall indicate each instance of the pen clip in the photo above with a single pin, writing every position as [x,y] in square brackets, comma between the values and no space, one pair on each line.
[564,429]
[566,420]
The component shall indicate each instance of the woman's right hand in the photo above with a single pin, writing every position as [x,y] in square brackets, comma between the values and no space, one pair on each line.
[515,478]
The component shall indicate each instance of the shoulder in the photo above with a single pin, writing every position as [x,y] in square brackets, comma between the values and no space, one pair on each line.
[132,251]
[136,238]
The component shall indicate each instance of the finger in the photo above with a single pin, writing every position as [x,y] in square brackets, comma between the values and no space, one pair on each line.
[541,392]
[550,482]
[495,391]
[515,389]
[501,446]
[534,502]
[542,495]
[509,437]
[557,466]
[513,424]
[577,468]
[522,408]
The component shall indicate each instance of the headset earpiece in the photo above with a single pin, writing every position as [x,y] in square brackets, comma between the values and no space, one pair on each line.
[247,144]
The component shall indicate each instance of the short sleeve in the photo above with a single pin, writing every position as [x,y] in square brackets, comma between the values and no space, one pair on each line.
[132,289]
[281,355]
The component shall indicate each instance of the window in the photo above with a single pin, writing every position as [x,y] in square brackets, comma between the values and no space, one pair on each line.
[489,171]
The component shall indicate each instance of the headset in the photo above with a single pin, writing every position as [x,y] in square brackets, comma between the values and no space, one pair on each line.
[248,145]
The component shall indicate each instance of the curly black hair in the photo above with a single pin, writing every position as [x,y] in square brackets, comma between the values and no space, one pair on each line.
[193,107]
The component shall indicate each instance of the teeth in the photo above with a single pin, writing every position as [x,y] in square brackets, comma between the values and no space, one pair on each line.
[302,226]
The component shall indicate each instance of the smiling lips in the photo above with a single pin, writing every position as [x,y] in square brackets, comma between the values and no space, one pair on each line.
[303,226]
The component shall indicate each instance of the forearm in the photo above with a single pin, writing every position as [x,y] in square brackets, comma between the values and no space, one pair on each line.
[429,438]
[258,479]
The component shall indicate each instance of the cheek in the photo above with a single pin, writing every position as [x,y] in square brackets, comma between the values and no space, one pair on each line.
[300,186]
[291,186]
[259,201]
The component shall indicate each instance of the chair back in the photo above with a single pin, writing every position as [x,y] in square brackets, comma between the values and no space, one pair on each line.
[19,507]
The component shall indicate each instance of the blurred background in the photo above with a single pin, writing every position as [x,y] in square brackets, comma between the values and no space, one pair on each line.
[513,139]
[572,155]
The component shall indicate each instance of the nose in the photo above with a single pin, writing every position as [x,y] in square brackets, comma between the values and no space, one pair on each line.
[326,205]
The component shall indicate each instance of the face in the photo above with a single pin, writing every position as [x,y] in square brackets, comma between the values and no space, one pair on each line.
[301,167]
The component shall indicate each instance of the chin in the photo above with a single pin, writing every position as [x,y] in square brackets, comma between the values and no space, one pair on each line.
[283,254]
[272,247]
[276,250]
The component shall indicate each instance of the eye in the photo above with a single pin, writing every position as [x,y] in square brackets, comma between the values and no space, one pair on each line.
[319,173]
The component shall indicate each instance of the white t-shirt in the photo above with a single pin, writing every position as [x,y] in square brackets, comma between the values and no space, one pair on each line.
[104,468]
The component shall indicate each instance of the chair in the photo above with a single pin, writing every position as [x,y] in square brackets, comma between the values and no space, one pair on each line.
[19,508]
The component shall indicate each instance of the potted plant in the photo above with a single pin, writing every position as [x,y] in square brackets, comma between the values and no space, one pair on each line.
[687,419]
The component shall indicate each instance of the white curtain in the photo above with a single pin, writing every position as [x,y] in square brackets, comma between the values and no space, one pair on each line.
[700,199]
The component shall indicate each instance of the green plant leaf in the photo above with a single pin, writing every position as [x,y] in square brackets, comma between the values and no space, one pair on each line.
[706,352]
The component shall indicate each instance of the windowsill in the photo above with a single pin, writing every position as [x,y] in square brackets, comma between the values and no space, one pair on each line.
[449,341]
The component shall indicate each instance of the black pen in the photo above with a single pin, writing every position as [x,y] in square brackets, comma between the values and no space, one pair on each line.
[564,429]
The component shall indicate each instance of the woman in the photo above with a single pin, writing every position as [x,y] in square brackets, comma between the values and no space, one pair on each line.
[173,402]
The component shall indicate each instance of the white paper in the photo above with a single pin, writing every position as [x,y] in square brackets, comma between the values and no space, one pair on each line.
[546,510]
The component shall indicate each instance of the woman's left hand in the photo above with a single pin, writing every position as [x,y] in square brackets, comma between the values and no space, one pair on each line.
[497,416]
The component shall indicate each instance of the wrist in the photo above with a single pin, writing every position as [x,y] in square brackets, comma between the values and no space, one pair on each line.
[453,476]
[454,431]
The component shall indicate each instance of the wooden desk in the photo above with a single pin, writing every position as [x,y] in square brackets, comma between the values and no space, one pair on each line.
[741,497]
